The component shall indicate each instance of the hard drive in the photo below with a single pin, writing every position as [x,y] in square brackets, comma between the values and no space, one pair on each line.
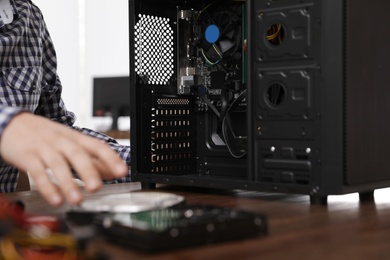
[180,226]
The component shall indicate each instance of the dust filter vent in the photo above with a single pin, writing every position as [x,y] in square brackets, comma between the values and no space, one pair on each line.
[153,49]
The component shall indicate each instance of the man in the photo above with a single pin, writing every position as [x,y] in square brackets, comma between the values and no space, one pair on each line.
[36,131]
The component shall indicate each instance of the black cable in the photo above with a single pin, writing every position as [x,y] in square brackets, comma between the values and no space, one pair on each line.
[227,130]
[224,109]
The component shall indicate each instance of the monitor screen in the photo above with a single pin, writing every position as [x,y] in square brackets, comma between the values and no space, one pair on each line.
[111,97]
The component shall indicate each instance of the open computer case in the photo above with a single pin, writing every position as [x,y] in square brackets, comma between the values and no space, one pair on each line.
[287,96]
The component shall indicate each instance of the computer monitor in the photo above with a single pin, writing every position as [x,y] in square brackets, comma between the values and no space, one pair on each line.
[111,98]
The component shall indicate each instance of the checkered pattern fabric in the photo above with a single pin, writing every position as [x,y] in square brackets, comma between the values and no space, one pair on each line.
[29,80]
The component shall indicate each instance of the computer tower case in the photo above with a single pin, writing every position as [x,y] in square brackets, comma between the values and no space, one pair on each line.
[287,96]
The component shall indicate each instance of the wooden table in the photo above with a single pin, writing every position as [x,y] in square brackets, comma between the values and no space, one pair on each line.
[344,229]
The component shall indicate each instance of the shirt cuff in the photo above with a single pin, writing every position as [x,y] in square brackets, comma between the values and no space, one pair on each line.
[6,114]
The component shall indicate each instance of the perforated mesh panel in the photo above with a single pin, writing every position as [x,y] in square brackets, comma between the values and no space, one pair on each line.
[153,50]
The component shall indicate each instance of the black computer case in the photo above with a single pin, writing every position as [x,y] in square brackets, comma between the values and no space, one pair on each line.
[278,96]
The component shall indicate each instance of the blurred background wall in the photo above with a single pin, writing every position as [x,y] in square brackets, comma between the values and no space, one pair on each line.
[91,40]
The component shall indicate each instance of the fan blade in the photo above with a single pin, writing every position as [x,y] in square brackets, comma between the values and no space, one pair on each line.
[225,45]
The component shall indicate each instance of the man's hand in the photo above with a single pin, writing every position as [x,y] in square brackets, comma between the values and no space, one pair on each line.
[36,145]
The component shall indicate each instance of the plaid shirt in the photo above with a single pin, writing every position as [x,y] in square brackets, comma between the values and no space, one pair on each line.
[29,80]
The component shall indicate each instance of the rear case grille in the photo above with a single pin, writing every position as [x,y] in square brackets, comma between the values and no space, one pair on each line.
[172,135]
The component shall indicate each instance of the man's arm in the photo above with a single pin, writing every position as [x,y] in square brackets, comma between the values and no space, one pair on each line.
[36,145]
[52,106]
